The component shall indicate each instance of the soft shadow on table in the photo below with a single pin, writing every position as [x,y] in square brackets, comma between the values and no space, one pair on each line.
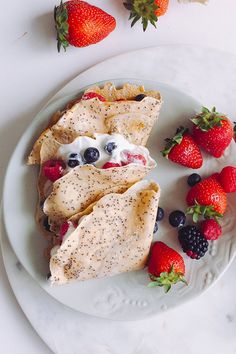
[43,30]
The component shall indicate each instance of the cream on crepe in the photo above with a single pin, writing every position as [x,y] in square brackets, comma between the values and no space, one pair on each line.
[119,114]
[82,185]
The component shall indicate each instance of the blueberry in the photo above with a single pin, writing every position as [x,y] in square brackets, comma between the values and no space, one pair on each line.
[140,97]
[73,155]
[110,147]
[46,224]
[160,214]
[155,227]
[193,179]
[91,155]
[177,218]
[73,163]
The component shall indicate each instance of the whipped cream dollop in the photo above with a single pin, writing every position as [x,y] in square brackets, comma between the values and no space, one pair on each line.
[111,147]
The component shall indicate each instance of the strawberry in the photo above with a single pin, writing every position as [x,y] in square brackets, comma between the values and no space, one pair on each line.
[207,198]
[146,10]
[81,24]
[212,131]
[165,266]
[110,165]
[211,229]
[129,157]
[53,169]
[90,95]
[227,179]
[183,150]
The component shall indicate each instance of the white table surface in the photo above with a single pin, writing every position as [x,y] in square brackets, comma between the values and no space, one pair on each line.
[32,71]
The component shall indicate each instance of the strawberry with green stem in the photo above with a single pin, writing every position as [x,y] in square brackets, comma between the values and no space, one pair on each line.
[81,24]
[207,199]
[165,266]
[212,131]
[183,150]
[146,11]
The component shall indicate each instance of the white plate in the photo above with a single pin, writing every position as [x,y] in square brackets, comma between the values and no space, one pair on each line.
[125,296]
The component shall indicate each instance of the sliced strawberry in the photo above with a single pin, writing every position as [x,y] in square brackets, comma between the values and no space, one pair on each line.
[110,165]
[53,169]
[129,157]
[90,95]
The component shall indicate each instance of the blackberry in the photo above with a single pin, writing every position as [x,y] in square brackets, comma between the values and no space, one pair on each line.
[160,214]
[193,242]
[177,218]
[193,179]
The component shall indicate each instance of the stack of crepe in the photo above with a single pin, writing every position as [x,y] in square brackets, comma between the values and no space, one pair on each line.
[112,211]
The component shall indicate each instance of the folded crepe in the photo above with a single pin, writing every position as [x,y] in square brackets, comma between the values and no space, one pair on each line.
[82,185]
[113,235]
[120,113]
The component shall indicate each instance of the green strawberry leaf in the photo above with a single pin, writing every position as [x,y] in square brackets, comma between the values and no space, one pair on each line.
[207,119]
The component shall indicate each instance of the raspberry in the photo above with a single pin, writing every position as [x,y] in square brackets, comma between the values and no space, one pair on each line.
[211,229]
[110,165]
[193,242]
[90,95]
[53,169]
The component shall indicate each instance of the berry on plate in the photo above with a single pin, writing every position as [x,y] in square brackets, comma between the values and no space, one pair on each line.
[183,150]
[192,241]
[165,266]
[207,198]
[193,179]
[81,24]
[211,229]
[227,179]
[177,218]
[212,131]
[146,10]
[110,165]
[89,95]
[53,169]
